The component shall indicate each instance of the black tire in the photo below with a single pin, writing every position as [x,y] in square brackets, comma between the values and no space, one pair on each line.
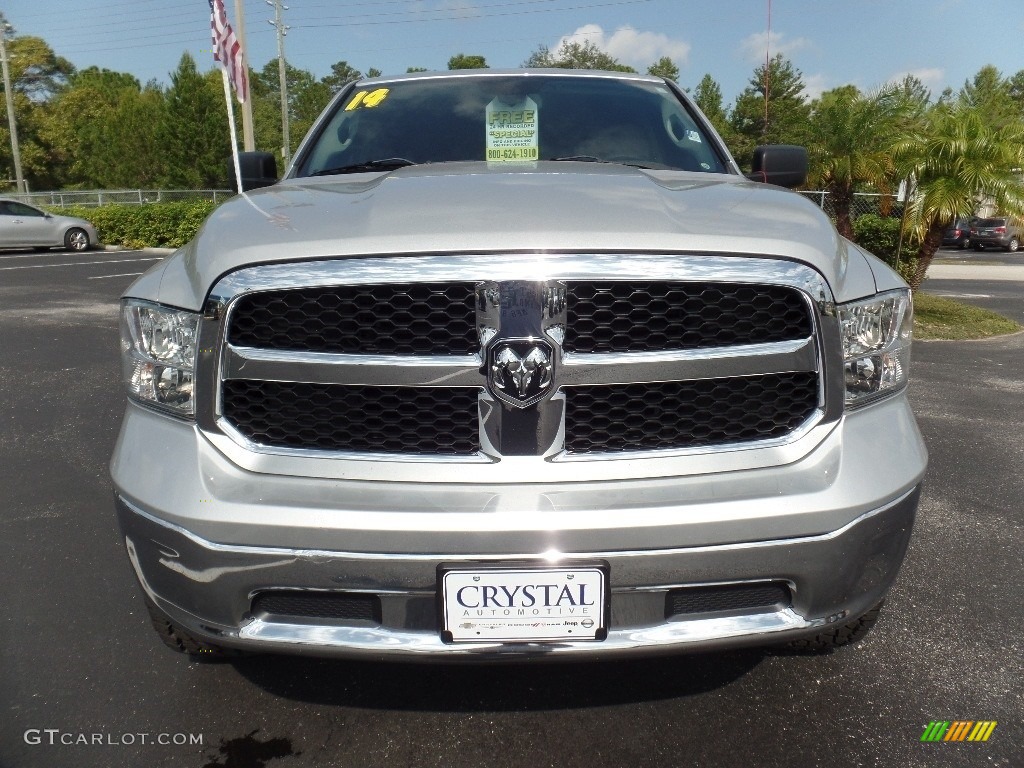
[1013,245]
[839,635]
[965,243]
[177,639]
[76,239]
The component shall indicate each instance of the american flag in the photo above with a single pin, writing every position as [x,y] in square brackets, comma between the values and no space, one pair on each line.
[227,50]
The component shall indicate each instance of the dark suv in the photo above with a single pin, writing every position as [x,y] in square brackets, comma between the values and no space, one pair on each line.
[998,232]
[958,233]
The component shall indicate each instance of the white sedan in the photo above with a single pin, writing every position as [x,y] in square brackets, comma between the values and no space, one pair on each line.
[25,226]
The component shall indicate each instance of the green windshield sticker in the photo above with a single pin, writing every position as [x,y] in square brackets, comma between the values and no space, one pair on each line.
[512,134]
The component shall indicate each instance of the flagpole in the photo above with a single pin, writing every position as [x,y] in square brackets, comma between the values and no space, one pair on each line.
[231,125]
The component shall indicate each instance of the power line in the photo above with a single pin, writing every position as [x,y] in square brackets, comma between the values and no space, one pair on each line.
[354,22]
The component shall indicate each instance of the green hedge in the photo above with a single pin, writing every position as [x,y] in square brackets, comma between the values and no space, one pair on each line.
[167,225]
[881,236]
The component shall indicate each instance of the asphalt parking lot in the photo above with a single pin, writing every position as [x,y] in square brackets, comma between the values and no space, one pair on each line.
[78,659]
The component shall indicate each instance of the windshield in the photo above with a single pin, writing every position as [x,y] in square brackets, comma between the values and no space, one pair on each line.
[510,119]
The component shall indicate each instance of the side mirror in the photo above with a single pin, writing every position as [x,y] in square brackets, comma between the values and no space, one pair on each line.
[259,169]
[782,164]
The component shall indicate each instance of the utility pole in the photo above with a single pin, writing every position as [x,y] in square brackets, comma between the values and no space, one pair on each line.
[282,30]
[6,28]
[248,139]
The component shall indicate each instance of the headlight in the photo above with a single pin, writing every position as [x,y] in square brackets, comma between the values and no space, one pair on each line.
[876,345]
[158,354]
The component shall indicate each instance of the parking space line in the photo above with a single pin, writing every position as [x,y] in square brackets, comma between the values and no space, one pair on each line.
[83,263]
[29,255]
[49,254]
[104,277]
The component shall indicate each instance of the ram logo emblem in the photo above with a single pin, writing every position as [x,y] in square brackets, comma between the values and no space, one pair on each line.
[520,371]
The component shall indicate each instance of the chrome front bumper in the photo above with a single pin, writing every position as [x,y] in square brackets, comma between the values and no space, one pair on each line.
[208,588]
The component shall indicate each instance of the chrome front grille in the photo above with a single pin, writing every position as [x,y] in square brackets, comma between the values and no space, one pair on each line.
[367,359]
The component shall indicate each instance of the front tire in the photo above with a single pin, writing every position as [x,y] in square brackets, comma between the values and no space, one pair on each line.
[76,239]
[840,635]
[1013,245]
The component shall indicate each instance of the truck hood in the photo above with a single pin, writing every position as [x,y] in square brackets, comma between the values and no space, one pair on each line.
[475,208]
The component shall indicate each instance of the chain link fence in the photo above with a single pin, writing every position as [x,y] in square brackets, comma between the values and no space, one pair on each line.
[863,202]
[99,197]
[886,206]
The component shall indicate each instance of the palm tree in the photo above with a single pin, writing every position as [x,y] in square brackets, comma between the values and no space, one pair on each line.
[851,138]
[957,161]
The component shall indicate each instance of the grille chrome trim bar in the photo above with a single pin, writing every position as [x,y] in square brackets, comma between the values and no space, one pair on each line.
[688,365]
[333,368]
[451,371]
[504,267]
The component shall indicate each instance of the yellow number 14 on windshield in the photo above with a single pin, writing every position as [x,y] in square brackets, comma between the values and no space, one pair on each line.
[367,99]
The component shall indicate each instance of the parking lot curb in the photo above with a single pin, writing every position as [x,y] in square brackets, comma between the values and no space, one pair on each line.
[157,251]
[975,272]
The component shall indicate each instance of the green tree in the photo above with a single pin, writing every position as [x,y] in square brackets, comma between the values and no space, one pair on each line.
[915,94]
[990,94]
[78,124]
[112,138]
[417,69]
[266,113]
[1017,92]
[134,158]
[850,141]
[373,72]
[956,159]
[37,76]
[307,98]
[574,55]
[194,131]
[36,70]
[788,112]
[467,61]
[664,67]
[708,97]
[341,74]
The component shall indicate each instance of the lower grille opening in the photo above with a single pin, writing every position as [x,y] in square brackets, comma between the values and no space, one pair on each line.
[732,598]
[318,606]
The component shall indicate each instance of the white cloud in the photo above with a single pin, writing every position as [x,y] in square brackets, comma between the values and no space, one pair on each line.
[630,46]
[814,86]
[753,47]
[934,78]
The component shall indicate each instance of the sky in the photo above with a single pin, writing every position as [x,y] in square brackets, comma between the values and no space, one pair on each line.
[832,42]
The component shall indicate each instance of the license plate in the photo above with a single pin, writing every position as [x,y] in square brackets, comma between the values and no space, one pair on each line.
[524,605]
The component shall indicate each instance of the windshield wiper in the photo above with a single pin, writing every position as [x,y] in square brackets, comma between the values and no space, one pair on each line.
[592,159]
[387,164]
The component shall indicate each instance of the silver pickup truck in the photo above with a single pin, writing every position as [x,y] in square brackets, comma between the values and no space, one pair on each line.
[516,364]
